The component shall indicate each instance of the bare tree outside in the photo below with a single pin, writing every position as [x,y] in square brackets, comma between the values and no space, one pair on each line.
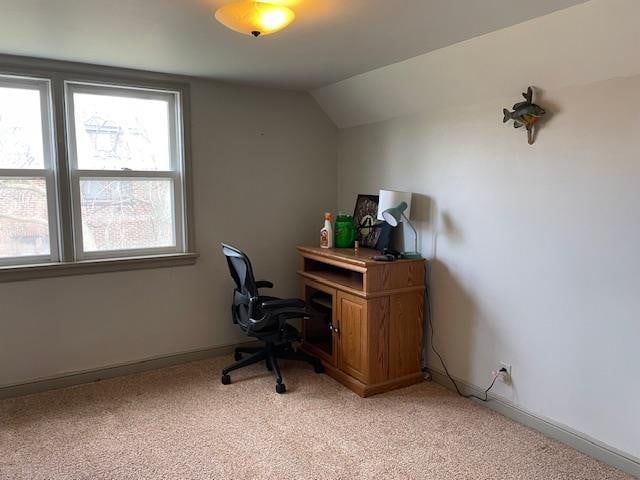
[117,133]
[24,225]
[124,166]
[112,133]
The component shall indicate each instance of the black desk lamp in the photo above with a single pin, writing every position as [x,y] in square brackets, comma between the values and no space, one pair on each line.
[393,216]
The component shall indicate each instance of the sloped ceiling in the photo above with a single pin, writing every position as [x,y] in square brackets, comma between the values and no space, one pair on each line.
[584,44]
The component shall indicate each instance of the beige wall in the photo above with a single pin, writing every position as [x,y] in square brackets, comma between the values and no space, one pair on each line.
[264,172]
[534,249]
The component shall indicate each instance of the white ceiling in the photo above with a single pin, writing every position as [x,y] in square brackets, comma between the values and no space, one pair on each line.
[330,40]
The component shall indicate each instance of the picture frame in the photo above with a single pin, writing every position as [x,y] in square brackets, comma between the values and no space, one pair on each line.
[365,216]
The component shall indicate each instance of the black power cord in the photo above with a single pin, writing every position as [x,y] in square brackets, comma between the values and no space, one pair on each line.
[444,366]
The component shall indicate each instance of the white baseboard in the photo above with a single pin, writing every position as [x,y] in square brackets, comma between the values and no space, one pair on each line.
[578,440]
[94,375]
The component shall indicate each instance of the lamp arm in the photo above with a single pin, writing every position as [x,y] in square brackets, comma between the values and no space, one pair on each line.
[415,233]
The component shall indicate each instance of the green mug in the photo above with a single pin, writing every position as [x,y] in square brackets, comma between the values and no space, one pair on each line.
[345,231]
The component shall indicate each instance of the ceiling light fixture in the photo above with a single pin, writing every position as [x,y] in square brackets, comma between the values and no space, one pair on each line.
[255,17]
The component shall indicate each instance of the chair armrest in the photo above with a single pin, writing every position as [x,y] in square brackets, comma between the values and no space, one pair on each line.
[294,303]
[264,284]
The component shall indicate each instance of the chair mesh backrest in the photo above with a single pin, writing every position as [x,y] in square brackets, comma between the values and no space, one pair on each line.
[240,270]
[242,274]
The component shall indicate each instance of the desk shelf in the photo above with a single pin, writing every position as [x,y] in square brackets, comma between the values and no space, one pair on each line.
[322,299]
[336,280]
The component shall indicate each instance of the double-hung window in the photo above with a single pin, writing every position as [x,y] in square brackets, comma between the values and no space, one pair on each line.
[125,163]
[90,171]
[28,206]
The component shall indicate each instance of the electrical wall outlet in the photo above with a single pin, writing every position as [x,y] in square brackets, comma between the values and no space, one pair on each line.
[505,377]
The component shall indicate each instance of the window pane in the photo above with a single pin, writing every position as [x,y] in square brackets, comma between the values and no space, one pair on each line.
[20,129]
[120,214]
[24,225]
[115,133]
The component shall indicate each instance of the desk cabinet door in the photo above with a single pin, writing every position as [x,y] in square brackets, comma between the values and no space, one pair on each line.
[353,355]
[317,330]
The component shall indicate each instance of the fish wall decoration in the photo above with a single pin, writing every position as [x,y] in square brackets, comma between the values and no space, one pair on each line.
[525,114]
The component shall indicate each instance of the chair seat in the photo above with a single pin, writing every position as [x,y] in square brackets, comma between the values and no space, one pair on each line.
[288,334]
[266,298]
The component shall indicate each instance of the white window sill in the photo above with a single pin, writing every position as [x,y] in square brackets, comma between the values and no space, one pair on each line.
[85,267]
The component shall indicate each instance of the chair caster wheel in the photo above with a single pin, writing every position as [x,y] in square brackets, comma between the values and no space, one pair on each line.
[280,388]
[226,379]
[237,356]
[318,368]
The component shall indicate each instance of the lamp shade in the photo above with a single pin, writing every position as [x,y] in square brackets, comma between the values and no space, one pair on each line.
[255,17]
[392,199]
[393,216]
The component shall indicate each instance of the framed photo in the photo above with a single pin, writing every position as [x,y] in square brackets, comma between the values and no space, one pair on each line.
[365,217]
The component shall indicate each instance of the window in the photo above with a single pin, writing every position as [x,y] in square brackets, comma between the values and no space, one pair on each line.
[115,187]
[28,216]
[125,163]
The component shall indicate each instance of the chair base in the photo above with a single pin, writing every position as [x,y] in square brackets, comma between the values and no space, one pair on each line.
[270,354]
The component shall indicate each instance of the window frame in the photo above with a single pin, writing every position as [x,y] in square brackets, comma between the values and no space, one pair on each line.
[48,172]
[69,262]
[175,175]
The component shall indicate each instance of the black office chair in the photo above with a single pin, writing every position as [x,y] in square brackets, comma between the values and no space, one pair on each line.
[264,318]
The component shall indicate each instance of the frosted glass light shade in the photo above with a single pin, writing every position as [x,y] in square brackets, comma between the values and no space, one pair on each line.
[391,199]
[255,18]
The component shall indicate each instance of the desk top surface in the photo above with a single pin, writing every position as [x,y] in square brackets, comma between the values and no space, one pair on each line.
[362,256]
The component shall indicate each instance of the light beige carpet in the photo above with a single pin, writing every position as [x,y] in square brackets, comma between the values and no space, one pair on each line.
[181,423]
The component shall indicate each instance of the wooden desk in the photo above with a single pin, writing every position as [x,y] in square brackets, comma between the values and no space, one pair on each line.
[366,317]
